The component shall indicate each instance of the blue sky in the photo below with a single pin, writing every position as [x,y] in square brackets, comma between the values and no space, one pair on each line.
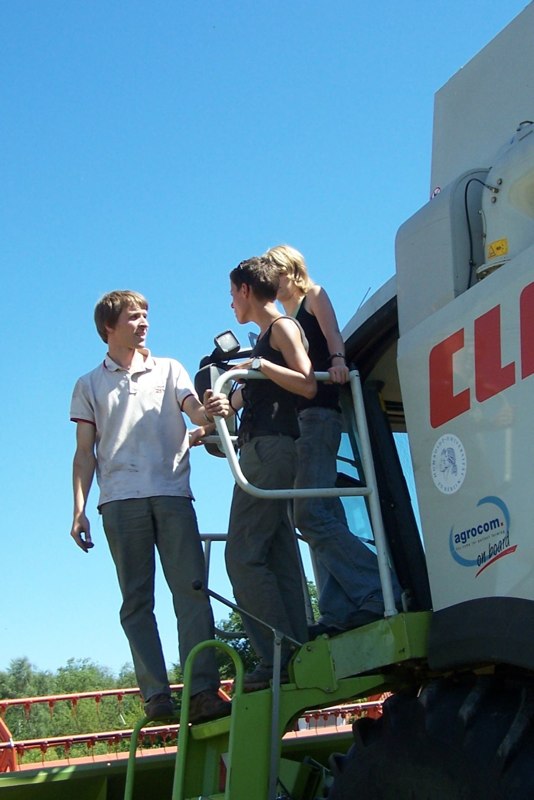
[153,146]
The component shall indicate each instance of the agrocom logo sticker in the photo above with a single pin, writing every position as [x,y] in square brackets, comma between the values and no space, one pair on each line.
[485,539]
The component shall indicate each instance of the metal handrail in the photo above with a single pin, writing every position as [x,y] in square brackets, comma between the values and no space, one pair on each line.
[370,490]
[229,450]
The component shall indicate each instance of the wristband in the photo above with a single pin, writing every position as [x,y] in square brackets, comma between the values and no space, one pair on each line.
[337,355]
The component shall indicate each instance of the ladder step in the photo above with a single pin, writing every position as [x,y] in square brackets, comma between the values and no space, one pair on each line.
[209,730]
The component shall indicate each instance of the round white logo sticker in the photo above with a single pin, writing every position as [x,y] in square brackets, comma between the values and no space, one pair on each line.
[448,464]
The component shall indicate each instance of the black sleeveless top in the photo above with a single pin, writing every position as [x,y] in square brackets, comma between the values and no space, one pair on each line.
[327,394]
[268,410]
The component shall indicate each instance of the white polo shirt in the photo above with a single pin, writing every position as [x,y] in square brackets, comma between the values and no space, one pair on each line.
[142,447]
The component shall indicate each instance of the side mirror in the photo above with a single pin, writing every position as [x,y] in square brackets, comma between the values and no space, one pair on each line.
[227,345]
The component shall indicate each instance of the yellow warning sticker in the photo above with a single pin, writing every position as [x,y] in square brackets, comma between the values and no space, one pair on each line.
[498,248]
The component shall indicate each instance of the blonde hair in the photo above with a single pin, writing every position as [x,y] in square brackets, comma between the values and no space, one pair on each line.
[109,308]
[290,262]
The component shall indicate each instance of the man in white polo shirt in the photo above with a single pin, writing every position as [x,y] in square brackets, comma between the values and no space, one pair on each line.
[130,429]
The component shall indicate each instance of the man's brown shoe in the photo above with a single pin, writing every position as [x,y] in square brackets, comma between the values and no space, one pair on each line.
[207,705]
[160,706]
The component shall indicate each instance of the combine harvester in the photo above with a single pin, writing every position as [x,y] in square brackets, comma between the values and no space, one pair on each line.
[445,358]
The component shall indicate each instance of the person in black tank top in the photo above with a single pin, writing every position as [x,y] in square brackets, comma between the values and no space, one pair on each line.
[350,593]
[268,409]
[261,549]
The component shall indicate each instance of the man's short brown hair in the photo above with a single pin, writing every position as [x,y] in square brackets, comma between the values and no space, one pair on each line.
[109,308]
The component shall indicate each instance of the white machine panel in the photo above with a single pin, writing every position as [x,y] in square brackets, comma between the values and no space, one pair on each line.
[469,414]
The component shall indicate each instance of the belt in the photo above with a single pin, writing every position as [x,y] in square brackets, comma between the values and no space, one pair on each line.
[247,436]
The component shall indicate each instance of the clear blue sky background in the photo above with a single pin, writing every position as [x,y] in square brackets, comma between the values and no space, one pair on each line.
[154,145]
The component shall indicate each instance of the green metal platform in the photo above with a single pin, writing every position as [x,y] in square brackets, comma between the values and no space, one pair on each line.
[230,758]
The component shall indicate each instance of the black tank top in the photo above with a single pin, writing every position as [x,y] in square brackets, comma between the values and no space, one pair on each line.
[268,410]
[327,394]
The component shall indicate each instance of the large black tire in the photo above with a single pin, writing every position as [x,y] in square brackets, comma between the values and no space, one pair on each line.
[470,739]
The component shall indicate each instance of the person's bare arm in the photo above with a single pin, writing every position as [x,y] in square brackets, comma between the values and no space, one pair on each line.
[206,429]
[319,305]
[83,470]
[202,413]
[298,376]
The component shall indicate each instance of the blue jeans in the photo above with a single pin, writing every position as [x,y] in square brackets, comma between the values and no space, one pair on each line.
[135,529]
[348,570]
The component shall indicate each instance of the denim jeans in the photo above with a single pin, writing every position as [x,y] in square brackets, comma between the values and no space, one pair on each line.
[135,529]
[348,569]
[261,550]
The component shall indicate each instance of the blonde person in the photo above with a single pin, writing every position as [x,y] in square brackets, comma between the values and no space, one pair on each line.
[350,593]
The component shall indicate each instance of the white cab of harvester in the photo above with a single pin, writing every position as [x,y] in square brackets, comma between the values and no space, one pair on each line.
[465,288]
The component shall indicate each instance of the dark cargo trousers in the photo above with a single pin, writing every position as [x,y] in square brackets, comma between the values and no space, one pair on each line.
[261,551]
[135,529]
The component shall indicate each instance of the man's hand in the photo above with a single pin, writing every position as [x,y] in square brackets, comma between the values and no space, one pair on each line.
[216,405]
[81,532]
[196,436]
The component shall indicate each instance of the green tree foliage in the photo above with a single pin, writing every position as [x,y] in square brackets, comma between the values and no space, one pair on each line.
[231,631]
[22,680]
[314,599]
[176,674]
[64,718]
